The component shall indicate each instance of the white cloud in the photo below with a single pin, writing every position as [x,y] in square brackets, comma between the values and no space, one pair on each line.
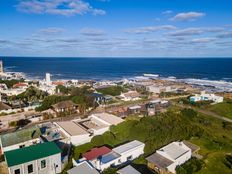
[188,16]
[150,29]
[92,32]
[167,12]
[51,31]
[187,32]
[202,40]
[58,7]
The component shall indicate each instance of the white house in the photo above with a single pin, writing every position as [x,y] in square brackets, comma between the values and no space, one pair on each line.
[81,131]
[20,139]
[130,96]
[82,168]
[37,159]
[206,97]
[169,157]
[103,158]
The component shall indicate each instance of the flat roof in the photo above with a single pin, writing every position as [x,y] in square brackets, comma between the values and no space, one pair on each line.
[83,168]
[128,146]
[128,170]
[96,152]
[109,118]
[160,161]
[20,136]
[175,149]
[92,123]
[109,157]
[31,153]
[72,128]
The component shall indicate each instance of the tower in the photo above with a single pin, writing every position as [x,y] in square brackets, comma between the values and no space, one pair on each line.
[1,66]
[48,78]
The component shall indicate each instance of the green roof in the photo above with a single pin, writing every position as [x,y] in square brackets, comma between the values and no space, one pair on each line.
[31,153]
[20,136]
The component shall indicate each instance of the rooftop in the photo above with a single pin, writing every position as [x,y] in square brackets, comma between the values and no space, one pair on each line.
[159,160]
[109,157]
[128,170]
[31,153]
[175,149]
[109,118]
[96,152]
[20,136]
[128,146]
[64,104]
[83,168]
[72,128]
[92,123]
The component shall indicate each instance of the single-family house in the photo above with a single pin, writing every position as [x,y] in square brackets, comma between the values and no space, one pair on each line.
[128,170]
[130,96]
[19,139]
[65,107]
[169,157]
[42,158]
[83,168]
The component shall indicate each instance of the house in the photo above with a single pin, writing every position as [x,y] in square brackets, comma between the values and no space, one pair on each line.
[98,98]
[74,132]
[169,157]
[37,159]
[103,158]
[83,168]
[83,130]
[20,139]
[206,97]
[4,107]
[130,96]
[128,170]
[65,106]
[134,109]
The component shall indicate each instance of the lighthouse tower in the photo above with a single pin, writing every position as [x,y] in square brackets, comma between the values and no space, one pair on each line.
[1,67]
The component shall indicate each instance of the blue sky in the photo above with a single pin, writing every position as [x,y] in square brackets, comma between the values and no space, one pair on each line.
[116,28]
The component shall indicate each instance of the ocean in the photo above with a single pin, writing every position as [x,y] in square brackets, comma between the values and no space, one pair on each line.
[219,69]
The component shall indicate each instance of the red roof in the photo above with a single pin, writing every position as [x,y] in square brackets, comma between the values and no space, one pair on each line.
[96,152]
[58,83]
[20,85]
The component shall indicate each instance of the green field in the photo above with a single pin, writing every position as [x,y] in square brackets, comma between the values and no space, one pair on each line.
[224,109]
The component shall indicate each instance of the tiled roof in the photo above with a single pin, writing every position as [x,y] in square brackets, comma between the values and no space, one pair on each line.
[96,152]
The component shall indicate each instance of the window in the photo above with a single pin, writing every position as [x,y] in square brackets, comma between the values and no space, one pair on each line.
[17,171]
[21,146]
[30,168]
[43,164]
[129,158]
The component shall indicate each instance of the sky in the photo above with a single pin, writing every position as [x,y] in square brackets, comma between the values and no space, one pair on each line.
[116,28]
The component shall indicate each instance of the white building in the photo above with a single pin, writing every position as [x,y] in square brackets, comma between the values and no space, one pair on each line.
[81,131]
[130,96]
[37,159]
[206,97]
[20,139]
[169,157]
[48,78]
[119,155]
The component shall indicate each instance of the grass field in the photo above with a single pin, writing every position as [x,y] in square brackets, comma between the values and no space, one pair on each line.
[224,109]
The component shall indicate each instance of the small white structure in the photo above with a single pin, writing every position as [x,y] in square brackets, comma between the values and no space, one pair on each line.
[48,78]
[130,96]
[169,157]
[37,159]
[206,97]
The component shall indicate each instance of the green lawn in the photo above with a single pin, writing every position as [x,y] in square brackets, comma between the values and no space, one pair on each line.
[223,109]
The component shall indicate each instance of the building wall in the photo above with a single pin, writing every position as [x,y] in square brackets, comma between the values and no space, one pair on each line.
[51,162]
[80,139]
[100,131]
[133,153]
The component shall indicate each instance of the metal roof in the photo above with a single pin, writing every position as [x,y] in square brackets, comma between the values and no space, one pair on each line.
[31,153]
[128,170]
[83,168]
[128,146]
